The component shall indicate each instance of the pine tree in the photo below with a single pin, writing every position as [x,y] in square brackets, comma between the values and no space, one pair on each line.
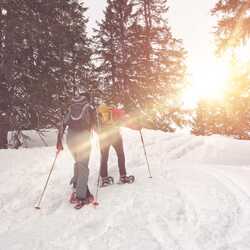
[113,47]
[161,63]
[237,102]
[199,122]
[141,63]
[210,118]
[44,51]
[232,31]
[233,26]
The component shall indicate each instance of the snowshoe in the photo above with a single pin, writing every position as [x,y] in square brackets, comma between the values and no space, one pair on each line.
[81,203]
[73,199]
[89,199]
[106,181]
[126,179]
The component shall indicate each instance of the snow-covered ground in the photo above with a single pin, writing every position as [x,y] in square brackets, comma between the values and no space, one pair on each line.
[198,198]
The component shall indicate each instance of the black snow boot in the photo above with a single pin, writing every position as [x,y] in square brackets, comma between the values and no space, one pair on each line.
[127,179]
[106,181]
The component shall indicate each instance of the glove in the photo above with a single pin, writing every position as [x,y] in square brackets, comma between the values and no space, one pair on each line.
[59,146]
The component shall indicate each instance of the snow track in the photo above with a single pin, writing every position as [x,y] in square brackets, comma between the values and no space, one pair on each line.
[191,203]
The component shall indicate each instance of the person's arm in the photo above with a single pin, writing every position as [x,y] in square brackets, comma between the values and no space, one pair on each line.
[132,123]
[129,121]
[61,130]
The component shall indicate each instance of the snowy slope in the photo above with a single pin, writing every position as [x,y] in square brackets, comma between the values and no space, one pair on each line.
[198,198]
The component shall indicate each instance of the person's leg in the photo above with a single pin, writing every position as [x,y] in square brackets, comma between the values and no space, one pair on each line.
[73,199]
[104,159]
[118,146]
[84,149]
[82,178]
[72,148]
[73,180]
[80,148]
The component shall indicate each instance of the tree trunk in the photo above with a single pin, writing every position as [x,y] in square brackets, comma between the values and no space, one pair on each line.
[3,137]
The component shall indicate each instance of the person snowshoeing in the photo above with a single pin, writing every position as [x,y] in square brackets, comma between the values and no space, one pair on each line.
[110,135]
[80,120]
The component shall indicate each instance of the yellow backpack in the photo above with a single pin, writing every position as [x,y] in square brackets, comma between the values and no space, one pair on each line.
[105,114]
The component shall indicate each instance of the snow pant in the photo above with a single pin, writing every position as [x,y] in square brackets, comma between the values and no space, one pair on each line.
[110,138]
[80,146]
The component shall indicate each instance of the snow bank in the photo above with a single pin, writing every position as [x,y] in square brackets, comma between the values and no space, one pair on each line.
[198,198]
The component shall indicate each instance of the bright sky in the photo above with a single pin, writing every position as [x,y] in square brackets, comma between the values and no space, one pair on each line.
[190,21]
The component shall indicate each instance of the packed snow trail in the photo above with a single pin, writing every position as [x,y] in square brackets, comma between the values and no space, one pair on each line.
[198,198]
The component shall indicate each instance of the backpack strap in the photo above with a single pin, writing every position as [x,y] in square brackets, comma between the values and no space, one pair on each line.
[85,106]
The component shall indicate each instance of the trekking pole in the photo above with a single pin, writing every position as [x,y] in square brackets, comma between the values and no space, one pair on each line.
[95,203]
[47,181]
[145,153]
[99,173]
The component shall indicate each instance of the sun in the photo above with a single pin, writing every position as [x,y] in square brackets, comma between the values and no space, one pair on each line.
[208,82]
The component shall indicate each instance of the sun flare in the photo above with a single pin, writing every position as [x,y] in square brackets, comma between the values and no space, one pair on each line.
[208,81]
